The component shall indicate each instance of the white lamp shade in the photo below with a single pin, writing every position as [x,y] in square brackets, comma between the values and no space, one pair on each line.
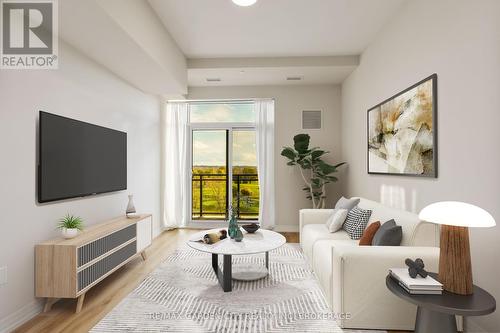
[458,214]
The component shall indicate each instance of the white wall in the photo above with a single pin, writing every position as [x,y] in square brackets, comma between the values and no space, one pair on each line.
[83,90]
[460,41]
[290,101]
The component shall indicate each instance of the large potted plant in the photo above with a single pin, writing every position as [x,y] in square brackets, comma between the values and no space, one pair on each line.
[70,225]
[315,172]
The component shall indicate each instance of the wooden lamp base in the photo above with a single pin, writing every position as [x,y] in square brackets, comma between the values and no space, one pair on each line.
[455,269]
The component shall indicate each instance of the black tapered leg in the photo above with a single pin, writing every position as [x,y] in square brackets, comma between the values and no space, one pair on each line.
[215,262]
[267,260]
[225,276]
[227,273]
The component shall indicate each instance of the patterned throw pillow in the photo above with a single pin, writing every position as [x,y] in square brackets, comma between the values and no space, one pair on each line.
[356,222]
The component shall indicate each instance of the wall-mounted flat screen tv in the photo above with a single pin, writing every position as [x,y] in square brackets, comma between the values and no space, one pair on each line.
[78,159]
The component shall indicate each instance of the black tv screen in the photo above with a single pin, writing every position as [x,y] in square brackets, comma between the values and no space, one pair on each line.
[78,159]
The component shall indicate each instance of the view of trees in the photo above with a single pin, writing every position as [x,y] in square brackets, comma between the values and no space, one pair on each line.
[211,204]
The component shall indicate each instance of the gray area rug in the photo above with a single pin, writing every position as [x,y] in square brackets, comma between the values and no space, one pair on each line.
[183,295]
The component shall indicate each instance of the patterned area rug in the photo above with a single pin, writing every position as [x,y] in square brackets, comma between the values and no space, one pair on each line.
[183,295]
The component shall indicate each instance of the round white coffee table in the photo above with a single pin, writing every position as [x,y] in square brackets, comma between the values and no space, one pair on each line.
[262,241]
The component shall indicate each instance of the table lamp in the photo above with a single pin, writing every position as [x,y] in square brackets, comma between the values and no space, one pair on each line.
[455,270]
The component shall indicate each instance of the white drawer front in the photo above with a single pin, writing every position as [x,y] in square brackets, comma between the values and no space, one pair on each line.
[144,233]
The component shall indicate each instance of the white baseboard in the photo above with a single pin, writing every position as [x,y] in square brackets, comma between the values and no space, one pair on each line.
[16,319]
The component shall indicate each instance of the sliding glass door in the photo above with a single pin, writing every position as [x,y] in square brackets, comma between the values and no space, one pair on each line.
[209,174]
[223,161]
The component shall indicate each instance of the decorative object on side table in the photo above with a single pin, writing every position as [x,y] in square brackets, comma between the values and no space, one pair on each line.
[436,313]
[416,268]
[232,228]
[70,225]
[310,160]
[131,212]
[455,268]
[251,228]
[402,132]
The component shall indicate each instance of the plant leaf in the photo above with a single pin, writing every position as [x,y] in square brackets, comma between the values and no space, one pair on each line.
[326,168]
[315,154]
[301,143]
[289,153]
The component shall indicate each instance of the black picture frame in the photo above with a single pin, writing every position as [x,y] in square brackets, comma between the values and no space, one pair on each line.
[434,173]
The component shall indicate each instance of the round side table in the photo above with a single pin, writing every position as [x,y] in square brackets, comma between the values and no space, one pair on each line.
[436,313]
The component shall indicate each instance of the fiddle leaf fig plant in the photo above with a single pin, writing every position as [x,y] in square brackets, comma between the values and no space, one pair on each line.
[315,172]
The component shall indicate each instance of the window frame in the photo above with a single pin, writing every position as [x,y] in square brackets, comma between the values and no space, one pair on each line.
[229,127]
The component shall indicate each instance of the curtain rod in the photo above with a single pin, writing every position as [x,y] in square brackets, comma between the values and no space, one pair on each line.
[220,100]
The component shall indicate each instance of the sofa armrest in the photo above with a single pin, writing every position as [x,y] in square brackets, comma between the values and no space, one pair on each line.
[358,278]
[313,216]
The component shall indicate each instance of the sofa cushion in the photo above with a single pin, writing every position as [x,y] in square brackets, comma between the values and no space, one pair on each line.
[345,203]
[356,222]
[314,232]
[415,233]
[368,234]
[336,220]
[322,264]
[389,234]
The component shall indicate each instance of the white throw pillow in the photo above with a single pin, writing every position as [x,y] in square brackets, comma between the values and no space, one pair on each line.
[335,221]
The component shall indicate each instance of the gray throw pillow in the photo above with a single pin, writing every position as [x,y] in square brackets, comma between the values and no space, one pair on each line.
[389,234]
[345,203]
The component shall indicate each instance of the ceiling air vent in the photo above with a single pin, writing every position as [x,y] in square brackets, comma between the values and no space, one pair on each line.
[213,79]
[311,119]
[294,78]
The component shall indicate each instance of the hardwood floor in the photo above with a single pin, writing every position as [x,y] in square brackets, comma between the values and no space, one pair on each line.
[106,295]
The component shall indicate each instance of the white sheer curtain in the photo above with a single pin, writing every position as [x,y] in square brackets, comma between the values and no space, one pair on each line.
[264,128]
[174,189]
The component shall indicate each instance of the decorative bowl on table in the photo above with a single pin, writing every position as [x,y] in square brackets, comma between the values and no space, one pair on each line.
[251,228]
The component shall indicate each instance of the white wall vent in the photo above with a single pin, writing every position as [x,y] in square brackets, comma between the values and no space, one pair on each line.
[311,119]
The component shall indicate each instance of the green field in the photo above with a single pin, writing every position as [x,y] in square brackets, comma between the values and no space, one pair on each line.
[212,180]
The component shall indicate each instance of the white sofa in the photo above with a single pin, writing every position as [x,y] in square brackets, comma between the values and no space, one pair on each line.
[353,276]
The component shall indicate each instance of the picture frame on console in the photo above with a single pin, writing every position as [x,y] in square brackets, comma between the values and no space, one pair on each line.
[402,132]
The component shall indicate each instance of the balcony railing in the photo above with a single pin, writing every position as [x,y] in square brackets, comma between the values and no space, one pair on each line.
[210,196]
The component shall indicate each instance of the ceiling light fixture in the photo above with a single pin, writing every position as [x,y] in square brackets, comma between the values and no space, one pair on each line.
[244,3]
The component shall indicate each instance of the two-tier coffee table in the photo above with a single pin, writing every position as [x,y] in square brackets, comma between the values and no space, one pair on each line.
[262,241]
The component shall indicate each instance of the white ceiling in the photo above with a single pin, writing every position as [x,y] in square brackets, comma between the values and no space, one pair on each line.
[218,28]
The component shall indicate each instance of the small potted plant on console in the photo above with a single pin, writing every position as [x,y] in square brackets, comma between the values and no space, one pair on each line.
[70,225]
